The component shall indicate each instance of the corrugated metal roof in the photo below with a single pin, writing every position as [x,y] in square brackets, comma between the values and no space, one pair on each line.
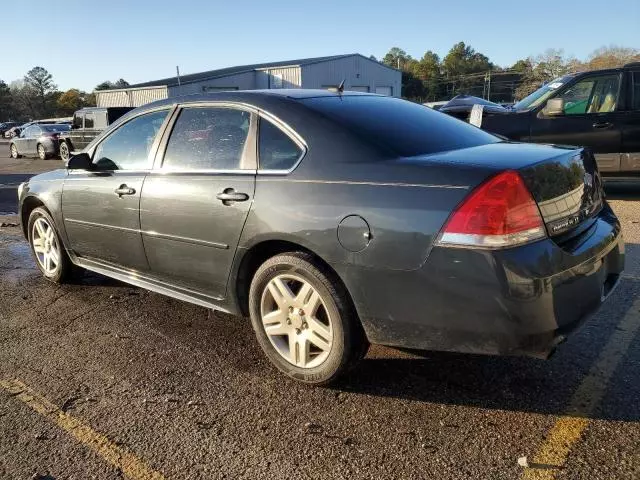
[224,72]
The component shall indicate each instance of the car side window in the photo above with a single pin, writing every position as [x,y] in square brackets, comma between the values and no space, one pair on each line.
[78,121]
[277,151]
[88,120]
[100,121]
[636,91]
[592,95]
[127,148]
[211,138]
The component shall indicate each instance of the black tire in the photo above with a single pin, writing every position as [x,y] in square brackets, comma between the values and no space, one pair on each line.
[13,151]
[65,269]
[42,153]
[349,344]
[64,151]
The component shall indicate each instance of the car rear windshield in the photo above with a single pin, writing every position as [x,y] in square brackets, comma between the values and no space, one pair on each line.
[55,128]
[404,128]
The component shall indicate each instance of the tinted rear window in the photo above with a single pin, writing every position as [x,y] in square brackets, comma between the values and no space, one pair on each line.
[405,128]
[55,128]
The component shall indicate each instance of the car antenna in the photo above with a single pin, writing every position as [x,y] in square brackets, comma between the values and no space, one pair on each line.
[341,86]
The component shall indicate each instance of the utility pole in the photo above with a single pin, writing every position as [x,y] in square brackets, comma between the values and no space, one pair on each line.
[489,89]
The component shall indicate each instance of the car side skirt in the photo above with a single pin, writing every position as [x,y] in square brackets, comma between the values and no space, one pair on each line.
[140,280]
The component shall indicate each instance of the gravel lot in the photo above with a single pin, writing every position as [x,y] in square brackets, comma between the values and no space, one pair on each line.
[103,380]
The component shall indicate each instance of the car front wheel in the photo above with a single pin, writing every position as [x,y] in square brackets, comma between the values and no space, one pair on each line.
[304,319]
[14,151]
[46,246]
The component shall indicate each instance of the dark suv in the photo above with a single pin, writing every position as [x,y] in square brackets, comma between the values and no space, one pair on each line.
[597,109]
[87,124]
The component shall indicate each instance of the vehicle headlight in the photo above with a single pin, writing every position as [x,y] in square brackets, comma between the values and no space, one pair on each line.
[20,189]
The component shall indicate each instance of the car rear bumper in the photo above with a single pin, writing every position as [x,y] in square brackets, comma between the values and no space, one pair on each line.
[519,301]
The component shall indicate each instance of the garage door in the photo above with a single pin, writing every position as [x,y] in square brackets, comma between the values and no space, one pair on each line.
[384,91]
[360,88]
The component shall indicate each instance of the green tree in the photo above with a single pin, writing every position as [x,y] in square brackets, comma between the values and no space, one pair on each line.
[463,69]
[6,102]
[39,85]
[428,70]
[396,58]
[108,85]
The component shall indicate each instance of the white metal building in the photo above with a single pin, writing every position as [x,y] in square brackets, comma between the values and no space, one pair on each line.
[358,72]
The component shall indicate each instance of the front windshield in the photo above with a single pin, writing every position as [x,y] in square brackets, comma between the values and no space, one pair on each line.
[541,95]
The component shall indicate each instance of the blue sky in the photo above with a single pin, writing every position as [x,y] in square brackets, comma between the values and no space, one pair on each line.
[144,40]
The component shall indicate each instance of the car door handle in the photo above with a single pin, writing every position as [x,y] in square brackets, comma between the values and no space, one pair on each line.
[124,190]
[230,195]
[602,125]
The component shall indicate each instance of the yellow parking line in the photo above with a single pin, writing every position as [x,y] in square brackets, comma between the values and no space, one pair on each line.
[569,428]
[131,466]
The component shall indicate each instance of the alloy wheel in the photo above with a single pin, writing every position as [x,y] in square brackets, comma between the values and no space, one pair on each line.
[45,245]
[64,151]
[296,321]
[14,151]
[41,153]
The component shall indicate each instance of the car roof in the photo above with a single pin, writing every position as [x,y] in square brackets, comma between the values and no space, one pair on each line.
[253,96]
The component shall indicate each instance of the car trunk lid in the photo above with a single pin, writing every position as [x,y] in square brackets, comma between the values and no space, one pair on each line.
[567,189]
[563,181]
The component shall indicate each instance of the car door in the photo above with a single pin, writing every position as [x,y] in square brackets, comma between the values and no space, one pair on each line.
[591,118]
[101,207]
[195,203]
[22,142]
[630,158]
[29,140]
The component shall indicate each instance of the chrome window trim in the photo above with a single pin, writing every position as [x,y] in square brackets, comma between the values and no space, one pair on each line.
[291,133]
[158,163]
[139,171]
[184,172]
[91,149]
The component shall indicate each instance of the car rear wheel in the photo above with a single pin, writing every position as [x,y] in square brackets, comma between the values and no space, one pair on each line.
[42,153]
[304,319]
[46,246]
[64,151]
[14,151]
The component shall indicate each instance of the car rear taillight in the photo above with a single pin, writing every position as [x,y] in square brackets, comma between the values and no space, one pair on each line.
[499,213]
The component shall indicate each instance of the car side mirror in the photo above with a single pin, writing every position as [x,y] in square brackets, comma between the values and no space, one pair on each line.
[554,106]
[81,161]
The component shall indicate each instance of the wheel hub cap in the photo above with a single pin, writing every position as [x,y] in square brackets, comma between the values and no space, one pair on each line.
[296,321]
[297,318]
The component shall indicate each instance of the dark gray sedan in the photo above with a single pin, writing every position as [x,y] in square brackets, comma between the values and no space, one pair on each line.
[37,140]
[335,220]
